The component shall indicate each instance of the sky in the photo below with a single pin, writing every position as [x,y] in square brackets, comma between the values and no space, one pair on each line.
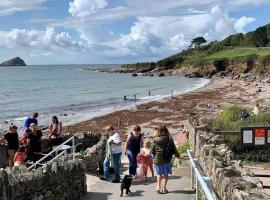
[118,31]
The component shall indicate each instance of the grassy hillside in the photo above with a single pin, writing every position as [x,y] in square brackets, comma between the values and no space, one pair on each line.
[251,49]
[238,52]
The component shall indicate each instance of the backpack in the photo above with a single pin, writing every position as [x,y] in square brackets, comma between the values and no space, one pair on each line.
[170,150]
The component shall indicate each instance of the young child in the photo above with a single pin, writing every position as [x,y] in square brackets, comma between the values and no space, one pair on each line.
[20,156]
[145,159]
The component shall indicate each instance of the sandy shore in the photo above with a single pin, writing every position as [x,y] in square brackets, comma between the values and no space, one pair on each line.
[174,112]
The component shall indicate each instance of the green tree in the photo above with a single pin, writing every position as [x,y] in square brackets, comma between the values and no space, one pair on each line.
[197,42]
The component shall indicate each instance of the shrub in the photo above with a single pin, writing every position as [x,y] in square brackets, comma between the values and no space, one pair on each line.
[231,113]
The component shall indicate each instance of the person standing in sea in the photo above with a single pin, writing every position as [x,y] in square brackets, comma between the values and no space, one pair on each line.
[31,120]
[113,154]
[133,146]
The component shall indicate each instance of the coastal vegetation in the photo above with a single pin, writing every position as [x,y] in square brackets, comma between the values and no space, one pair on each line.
[229,123]
[240,53]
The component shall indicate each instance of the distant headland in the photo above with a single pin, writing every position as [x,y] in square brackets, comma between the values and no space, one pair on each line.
[16,61]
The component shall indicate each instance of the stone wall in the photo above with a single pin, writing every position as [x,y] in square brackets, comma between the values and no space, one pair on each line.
[63,180]
[94,156]
[230,180]
[3,156]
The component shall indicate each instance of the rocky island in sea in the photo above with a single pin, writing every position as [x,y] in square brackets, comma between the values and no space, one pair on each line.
[16,61]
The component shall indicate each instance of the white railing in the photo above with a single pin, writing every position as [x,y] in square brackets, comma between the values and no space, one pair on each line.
[203,181]
[55,155]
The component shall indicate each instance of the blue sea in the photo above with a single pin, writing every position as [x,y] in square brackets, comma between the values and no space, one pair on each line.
[77,92]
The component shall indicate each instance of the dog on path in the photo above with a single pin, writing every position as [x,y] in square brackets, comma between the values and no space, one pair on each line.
[126,184]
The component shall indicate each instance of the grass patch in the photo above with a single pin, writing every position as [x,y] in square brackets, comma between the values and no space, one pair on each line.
[238,52]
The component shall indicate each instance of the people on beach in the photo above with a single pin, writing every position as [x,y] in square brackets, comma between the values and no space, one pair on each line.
[133,145]
[55,129]
[35,139]
[113,154]
[256,109]
[149,93]
[31,120]
[145,159]
[172,94]
[209,106]
[244,115]
[125,98]
[12,140]
[20,156]
[135,97]
[163,149]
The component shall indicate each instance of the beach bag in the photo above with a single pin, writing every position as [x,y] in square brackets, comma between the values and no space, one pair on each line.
[169,150]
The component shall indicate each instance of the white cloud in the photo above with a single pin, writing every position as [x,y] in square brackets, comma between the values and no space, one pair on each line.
[47,40]
[8,7]
[82,8]
[242,22]
[155,35]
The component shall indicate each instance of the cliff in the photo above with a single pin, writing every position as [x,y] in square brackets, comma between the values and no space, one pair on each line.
[17,61]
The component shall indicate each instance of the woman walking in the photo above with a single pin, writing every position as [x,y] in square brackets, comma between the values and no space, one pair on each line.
[163,149]
[133,146]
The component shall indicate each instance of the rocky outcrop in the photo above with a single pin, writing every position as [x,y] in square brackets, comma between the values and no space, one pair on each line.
[17,61]
[94,156]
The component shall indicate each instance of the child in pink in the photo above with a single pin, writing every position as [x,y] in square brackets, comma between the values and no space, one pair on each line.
[20,156]
[145,159]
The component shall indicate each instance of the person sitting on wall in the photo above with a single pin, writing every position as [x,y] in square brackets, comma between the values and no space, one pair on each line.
[31,120]
[35,139]
[12,139]
[20,156]
[55,129]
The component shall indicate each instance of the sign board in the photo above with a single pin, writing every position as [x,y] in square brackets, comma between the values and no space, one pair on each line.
[268,136]
[247,136]
[260,136]
[255,136]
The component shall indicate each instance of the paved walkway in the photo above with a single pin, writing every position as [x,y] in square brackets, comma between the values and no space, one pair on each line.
[141,189]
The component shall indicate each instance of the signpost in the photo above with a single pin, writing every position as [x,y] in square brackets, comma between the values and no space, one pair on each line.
[255,136]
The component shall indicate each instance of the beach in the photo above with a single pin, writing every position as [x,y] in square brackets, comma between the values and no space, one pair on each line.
[174,112]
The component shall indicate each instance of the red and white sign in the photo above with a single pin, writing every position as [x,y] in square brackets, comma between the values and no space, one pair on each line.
[268,136]
[260,136]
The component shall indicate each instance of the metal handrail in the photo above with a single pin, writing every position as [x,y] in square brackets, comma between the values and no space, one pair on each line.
[202,180]
[55,151]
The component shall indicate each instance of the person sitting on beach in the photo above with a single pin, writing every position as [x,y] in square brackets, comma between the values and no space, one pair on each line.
[20,156]
[113,154]
[256,109]
[12,139]
[35,139]
[145,159]
[31,120]
[163,149]
[244,115]
[133,146]
[55,129]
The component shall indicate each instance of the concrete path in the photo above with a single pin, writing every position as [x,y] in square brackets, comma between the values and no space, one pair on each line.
[178,184]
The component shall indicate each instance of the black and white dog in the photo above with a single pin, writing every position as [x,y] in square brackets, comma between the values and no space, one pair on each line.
[126,184]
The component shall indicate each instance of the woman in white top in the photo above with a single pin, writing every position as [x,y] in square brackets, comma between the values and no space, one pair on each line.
[256,109]
[55,129]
